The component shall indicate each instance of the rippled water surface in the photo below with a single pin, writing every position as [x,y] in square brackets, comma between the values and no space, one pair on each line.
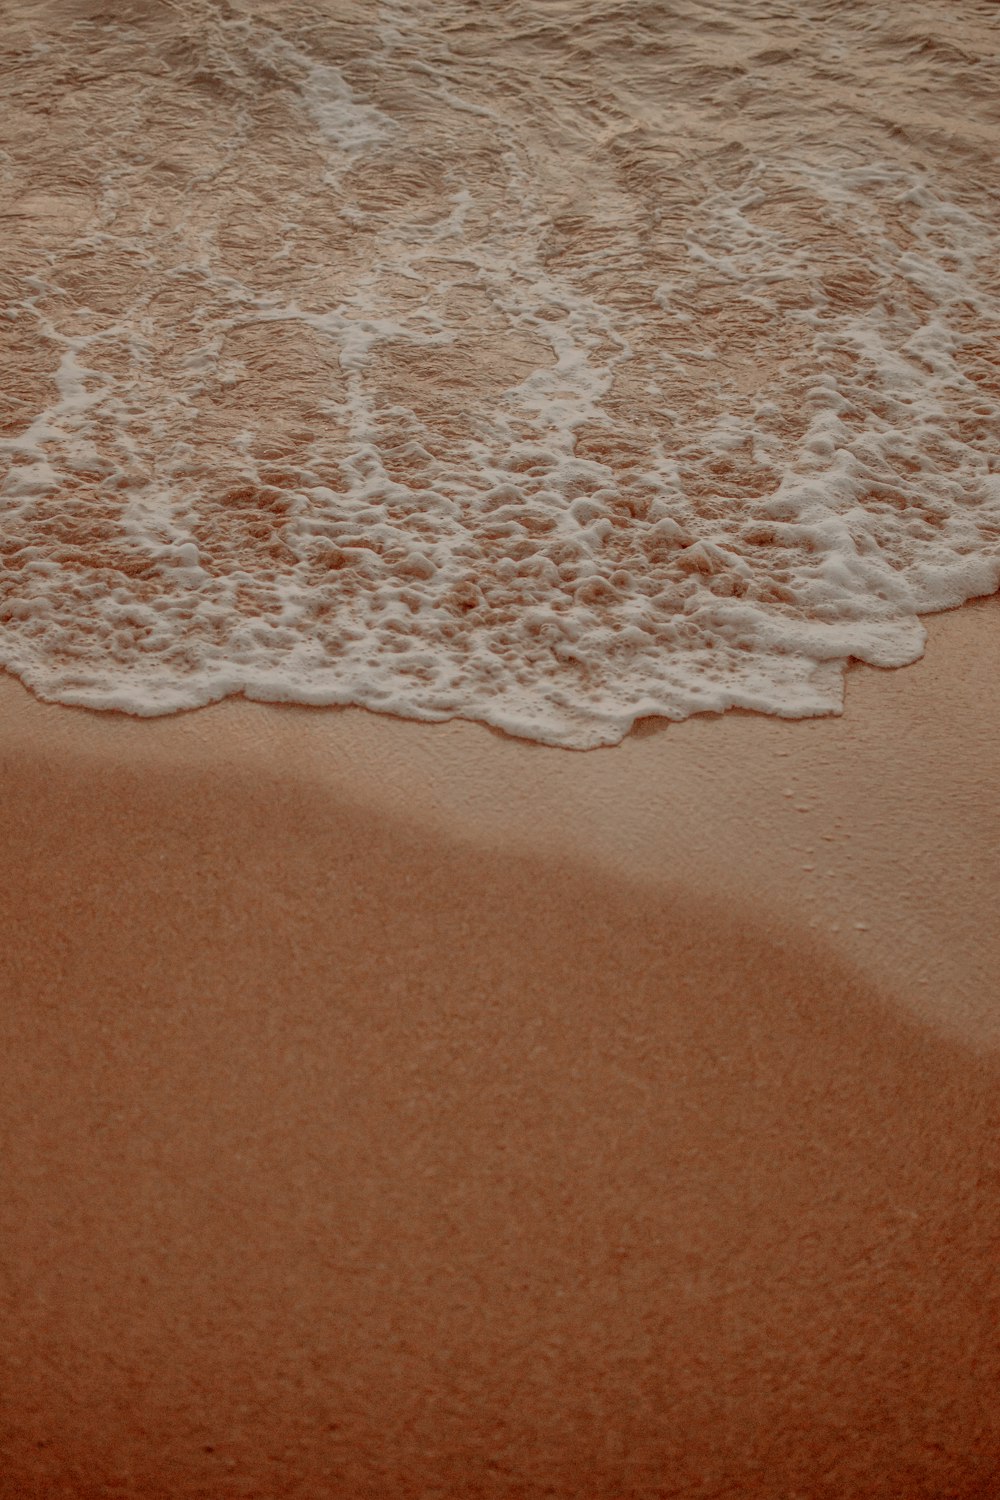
[546,362]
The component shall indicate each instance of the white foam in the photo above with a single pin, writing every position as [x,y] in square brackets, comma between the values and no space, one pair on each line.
[508,437]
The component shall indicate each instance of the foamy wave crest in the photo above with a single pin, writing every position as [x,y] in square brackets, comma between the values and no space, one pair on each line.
[550,366]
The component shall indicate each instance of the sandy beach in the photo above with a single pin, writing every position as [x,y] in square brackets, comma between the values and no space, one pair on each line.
[393,1109]
[529,1082]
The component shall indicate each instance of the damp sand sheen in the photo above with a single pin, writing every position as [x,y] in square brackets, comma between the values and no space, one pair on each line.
[396,1107]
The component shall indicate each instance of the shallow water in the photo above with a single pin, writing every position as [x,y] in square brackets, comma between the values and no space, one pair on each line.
[547,362]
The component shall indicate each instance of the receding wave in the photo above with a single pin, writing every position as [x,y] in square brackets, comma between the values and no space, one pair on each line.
[549,363]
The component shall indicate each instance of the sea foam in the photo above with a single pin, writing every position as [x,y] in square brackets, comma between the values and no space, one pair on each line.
[549,370]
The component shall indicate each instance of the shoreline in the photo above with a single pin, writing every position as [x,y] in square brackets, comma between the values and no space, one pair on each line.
[402,1109]
[878,816]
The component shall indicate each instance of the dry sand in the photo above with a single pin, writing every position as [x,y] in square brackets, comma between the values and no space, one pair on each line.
[401,1110]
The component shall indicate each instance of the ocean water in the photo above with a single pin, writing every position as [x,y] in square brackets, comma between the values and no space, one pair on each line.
[549,363]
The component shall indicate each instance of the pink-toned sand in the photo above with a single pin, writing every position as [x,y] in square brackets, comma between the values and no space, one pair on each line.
[393,1110]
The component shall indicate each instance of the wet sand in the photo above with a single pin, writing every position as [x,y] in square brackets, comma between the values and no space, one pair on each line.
[403,1110]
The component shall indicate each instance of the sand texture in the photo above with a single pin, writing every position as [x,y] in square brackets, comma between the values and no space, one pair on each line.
[400,1110]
